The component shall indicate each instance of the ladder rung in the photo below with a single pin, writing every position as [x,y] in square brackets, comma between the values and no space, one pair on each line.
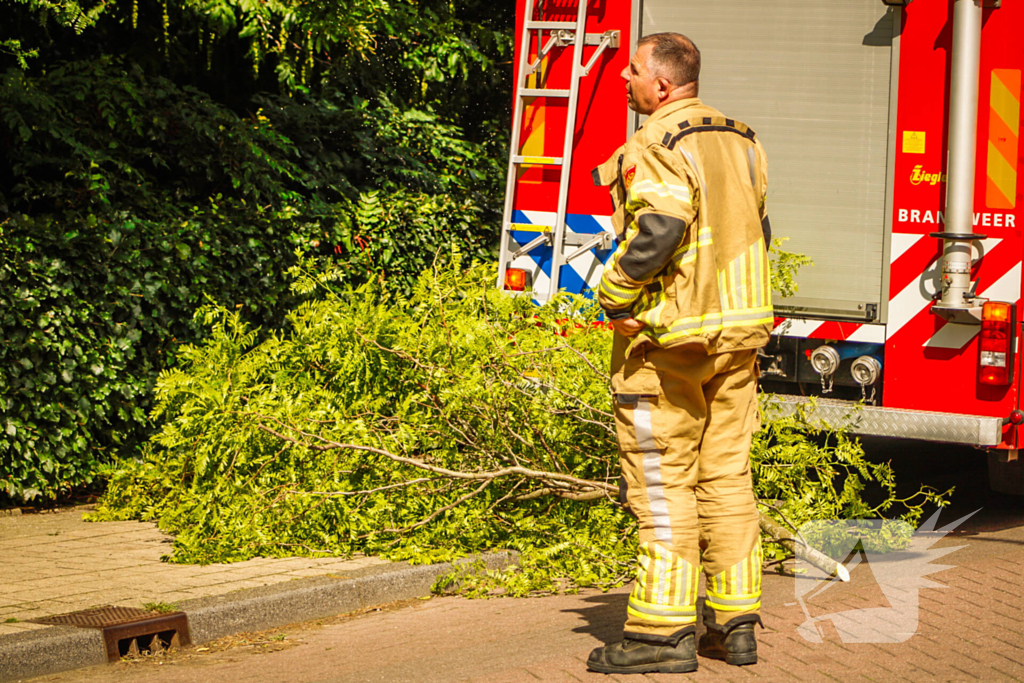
[542,92]
[534,243]
[537,161]
[550,25]
[530,227]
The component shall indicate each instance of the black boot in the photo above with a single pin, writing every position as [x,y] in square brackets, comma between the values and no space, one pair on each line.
[732,641]
[672,655]
[737,646]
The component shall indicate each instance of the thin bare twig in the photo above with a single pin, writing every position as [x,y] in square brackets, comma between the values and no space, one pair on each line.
[396,352]
[549,491]
[429,518]
[339,494]
[454,474]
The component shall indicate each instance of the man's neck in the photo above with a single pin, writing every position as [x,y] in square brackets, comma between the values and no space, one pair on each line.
[683,92]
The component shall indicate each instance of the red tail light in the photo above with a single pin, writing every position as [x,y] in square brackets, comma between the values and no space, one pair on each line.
[995,347]
[517,279]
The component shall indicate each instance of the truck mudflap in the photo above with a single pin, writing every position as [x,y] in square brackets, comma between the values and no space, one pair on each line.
[976,430]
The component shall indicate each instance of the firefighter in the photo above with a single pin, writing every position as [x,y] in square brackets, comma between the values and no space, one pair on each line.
[689,295]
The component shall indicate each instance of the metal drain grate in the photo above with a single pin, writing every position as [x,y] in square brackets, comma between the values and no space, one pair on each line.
[99,617]
[125,628]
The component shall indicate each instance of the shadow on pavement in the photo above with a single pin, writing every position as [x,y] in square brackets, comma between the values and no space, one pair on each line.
[604,616]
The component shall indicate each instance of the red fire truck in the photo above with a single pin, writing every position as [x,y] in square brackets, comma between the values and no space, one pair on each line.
[892,131]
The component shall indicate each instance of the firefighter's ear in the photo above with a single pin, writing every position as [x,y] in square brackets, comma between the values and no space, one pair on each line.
[665,88]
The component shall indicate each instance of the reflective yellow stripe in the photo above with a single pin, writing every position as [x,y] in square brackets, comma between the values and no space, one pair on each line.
[645,593]
[681,610]
[741,278]
[619,294]
[634,201]
[665,582]
[696,325]
[723,606]
[681,620]
[687,253]
[662,573]
[737,588]
[652,574]
[755,274]
[757,560]
[650,312]
[530,227]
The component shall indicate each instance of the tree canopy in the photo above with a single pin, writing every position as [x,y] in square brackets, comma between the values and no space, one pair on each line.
[162,154]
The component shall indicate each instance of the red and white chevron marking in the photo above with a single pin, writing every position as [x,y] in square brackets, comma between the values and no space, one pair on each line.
[829,329]
[915,276]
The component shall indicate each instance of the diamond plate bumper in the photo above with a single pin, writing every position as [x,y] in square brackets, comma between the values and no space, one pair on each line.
[976,430]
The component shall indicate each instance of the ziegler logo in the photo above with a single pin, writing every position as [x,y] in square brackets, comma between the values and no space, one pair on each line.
[918,176]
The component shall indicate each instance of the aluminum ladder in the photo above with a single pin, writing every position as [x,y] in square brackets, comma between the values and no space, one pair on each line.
[561,34]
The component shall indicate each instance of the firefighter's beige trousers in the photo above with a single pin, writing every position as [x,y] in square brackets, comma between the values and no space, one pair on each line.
[685,421]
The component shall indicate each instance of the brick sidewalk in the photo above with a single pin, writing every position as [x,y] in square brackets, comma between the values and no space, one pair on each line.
[969,631]
[55,563]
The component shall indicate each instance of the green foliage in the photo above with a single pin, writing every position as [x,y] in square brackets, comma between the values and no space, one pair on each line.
[157,153]
[418,53]
[126,202]
[815,473]
[784,265]
[159,607]
[389,425]
[67,14]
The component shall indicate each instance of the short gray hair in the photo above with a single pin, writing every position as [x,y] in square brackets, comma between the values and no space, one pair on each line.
[674,57]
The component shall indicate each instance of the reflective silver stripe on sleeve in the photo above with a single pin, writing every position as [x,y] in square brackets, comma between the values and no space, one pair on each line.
[751,165]
[652,471]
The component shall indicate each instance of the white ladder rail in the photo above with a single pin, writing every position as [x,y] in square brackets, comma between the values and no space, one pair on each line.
[557,257]
[562,34]
[517,119]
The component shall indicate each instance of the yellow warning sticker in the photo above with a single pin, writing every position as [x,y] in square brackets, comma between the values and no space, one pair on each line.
[913,142]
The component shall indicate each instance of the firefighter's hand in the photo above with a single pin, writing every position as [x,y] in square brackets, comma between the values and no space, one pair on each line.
[628,327]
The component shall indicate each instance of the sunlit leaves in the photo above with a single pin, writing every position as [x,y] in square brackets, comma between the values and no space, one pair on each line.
[458,375]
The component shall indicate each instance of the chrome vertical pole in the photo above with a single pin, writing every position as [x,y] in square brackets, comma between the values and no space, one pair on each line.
[963,135]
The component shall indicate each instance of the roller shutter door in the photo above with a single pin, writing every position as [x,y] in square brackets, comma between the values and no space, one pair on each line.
[812,78]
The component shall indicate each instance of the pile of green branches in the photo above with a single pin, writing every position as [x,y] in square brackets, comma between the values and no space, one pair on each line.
[424,428]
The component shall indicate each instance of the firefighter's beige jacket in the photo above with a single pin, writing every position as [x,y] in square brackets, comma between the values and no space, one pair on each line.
[689,194]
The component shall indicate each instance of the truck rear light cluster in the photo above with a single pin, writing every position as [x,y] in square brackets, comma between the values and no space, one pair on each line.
[995,348]
[517,279]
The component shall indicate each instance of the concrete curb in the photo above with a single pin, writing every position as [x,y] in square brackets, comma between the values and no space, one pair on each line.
[61,648]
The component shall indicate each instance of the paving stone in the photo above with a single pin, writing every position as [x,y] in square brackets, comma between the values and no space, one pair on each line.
[963,633]
[54,563]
